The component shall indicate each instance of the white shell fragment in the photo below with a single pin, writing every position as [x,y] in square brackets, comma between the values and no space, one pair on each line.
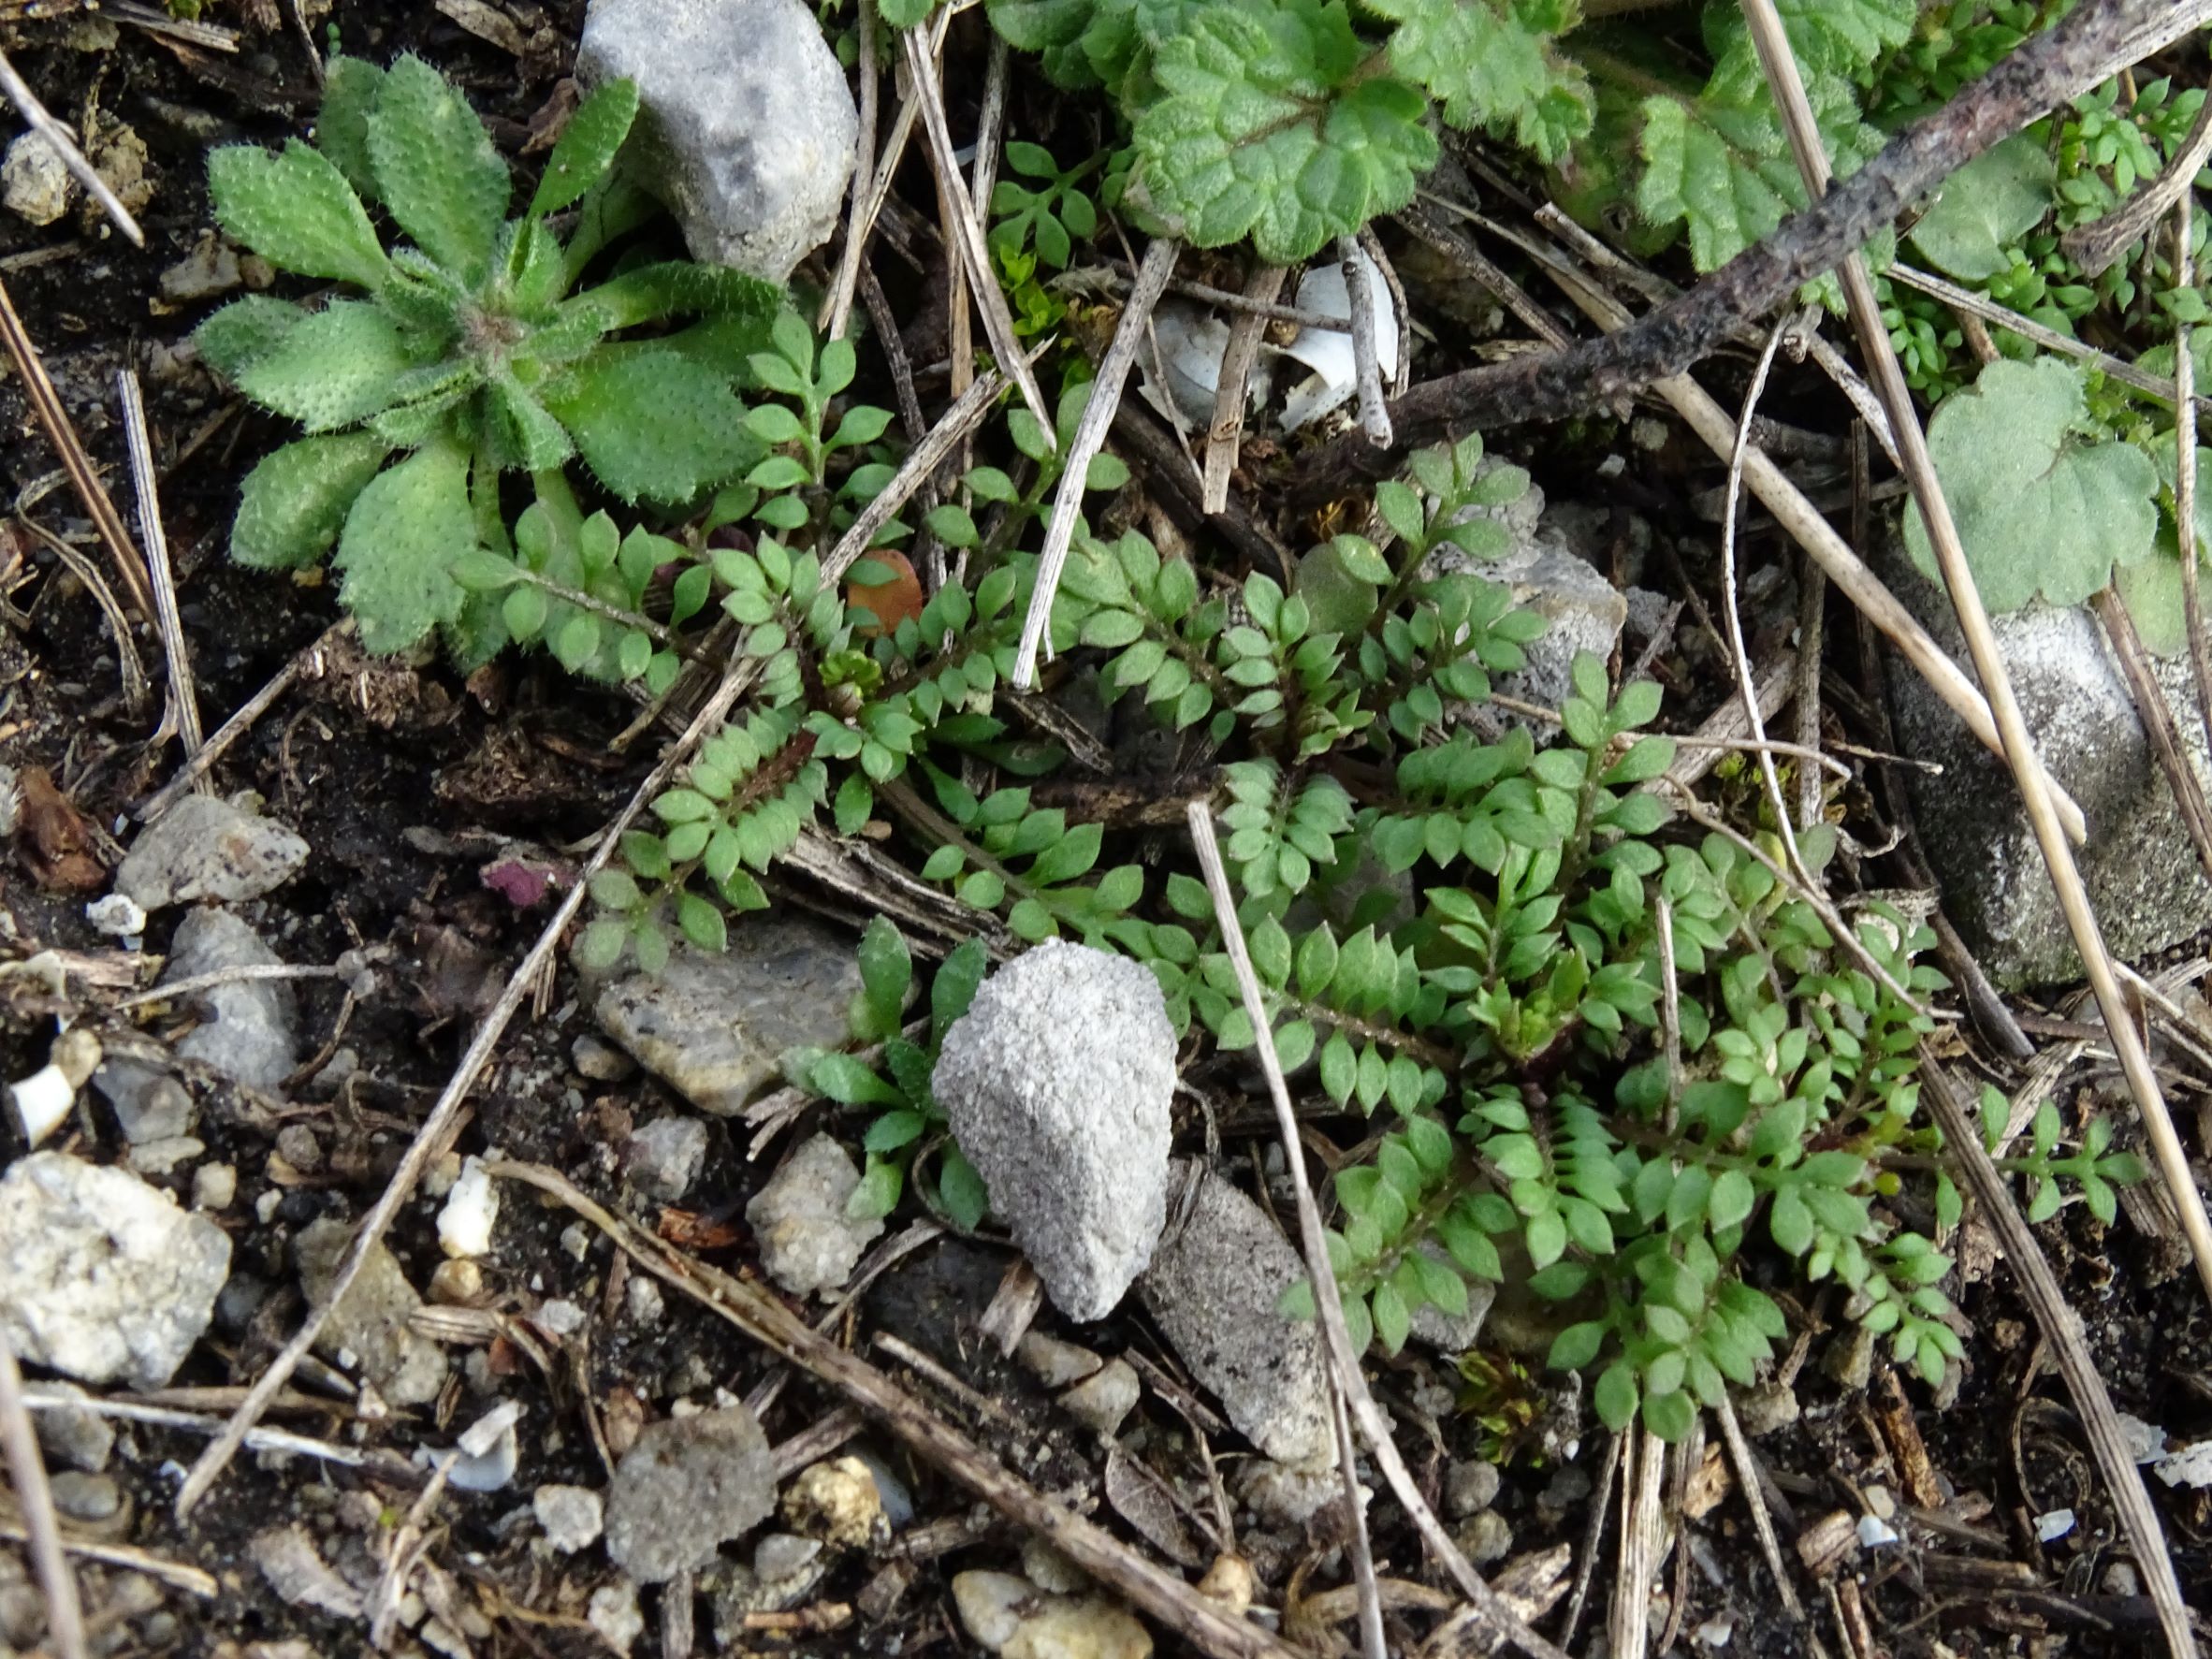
[486,1456]
[2191,1466]
[42,1100]
[1873,1532]
[2053,1525]
[1192,342]
[473,1205]
[1329,352]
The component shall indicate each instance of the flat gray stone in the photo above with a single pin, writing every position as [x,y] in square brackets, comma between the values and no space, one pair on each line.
[1057,1082]
[688,1486]
[665,1156]
[73,1436]
[251,1035]
[150,1104]
[746,128]
[1212,1289]
[369,1322]
[2138,865]
[807,1240]
[716,1027]
[203,848]
[103,1277]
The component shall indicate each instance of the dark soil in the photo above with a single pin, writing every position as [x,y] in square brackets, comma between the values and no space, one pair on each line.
[363,763]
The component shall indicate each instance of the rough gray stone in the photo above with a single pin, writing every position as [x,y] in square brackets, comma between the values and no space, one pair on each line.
[150,1104]
[807,1240]
[369,1321]
[665,1156]
[203,848]
[34,183]
[570,1515]
[715,1028]
[1057,1082]
[1469,1485]
[746,128]
[84,1497]
[1452,1334]
[1011,1616]
[251,1034]
[79,1438]
[2138,867]
[101,1276]
[1484,1537]
[688,1486]
[1212,1289]
[1582,610]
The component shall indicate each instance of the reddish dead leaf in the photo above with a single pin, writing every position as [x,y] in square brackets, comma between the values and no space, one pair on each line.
[688,1230]
[53,838]
[892,600]
[523,883]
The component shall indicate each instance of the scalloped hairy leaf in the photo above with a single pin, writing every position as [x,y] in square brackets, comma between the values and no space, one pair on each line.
[652,424]
[350,86]
[587,148]
[1053,30]
[1720,163]
[1267,131]
[439,177]
[296,500]
[296,209]
[1835,35]
[1492,64]
[244,330]
[1986,207]
[2041,507]
[400,543]
[339,366]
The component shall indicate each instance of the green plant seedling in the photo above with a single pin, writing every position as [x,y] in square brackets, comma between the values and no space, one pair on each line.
[463,353]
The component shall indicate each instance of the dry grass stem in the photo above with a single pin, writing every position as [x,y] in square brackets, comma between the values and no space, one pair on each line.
[1754,1494]
[2091,248]
[2159,729]
[1593,1532]
[204,758]
[1090,435]
[181,715]
[2185,468]
[836,306]
[1375,419]
[1225,436]
[1344,1364]
[1642,1524]
[137,688]
[990,299]
[42,1530]
[958,421]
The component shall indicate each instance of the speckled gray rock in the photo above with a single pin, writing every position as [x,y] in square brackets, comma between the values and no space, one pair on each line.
[369,1322]
[103,1277]
[2141,874]
[1212,1289]
[745,127]
[72,1435]
[1581,609]
[250,1035]
[688,1486]
[35,183]
[715,1028]
[203,848]
[665,1156]
[1057,1082]
[807,1240]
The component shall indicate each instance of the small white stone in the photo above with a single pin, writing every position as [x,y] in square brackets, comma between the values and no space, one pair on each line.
[35,182]
[464,1225]
[572,1516]
[613,1613]
[119,916]
[1874,1531]
[642,1300]
[265,1207]
[213,1186]
[562,1316]
[2053,1525]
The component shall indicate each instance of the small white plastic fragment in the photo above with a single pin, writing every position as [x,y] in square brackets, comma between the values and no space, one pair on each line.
[2147,1442]
[42,1101]
[1873,1531]
[486,1456]
[1328,352]
[471,1207]
[117,915]
[2191,1466]
[2053,1525]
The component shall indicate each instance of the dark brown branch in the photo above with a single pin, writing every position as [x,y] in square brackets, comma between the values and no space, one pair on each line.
[2075,54]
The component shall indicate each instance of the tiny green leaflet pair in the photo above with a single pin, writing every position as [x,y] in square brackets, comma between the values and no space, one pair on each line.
[464,353]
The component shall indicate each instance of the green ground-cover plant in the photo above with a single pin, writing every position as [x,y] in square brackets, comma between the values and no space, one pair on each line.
[471,350]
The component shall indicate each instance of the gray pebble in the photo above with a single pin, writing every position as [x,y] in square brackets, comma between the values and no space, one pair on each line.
[204,847]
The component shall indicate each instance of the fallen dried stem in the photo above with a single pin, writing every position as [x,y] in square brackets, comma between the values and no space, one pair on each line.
[42,1531]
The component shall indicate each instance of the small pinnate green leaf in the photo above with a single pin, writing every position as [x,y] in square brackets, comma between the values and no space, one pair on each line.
[587,149]
[1267,131]
[406,528]
[2039,509]
[297,499]
[1986,207]
[333,369]
[652,424]
[436,169]
[296,211]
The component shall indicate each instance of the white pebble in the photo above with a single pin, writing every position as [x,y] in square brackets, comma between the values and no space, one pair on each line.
[464,1225]
[42,1102]
[119,914]
[2053,1526]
